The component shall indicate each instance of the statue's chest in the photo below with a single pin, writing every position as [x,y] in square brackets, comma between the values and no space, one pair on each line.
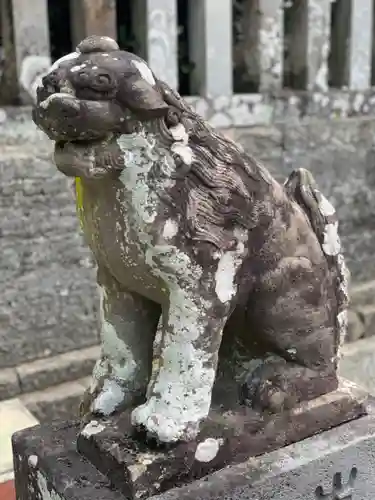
[123,220]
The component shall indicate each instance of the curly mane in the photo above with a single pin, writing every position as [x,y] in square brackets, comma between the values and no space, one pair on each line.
[218,190]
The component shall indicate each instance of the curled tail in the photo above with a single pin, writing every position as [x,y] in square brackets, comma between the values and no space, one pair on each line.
[302,187]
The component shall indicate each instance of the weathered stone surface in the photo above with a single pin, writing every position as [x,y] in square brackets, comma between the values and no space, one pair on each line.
[9,383]
[363,294]
[225,438]
[47,297]
[356,327]
[358,363]
[57,402]
[338,463]
[47,455]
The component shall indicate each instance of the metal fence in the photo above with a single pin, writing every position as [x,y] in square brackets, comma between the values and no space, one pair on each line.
[230,47]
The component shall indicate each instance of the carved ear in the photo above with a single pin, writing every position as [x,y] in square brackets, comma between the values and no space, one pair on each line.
[144,99]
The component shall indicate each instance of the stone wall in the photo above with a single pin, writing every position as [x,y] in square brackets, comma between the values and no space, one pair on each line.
[47,279]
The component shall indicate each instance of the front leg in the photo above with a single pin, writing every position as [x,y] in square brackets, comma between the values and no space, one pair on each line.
[185,350]
[128,324]
[179,394]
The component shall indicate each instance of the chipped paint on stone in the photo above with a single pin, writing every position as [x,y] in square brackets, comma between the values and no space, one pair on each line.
[331,244]
[77,68]
[33,460]
[109,398]
[184,152]
[326,208]
[46,492]
[170,229]
[144,71]
[92,428]
[227,268]
[208,449]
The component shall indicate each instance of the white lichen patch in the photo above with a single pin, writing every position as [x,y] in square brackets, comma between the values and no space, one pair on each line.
[78,67]
[92,428]
[227,268]
[33,460]
[113,346]
[139,157]
[179,133]
[331,243]
[44,491]
[170,229]
[325,207]
[181,145]
[208,449]
[184,152]
[144,71]
[109,398]
[136,471]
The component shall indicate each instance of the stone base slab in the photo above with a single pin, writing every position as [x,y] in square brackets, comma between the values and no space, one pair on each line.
[334,464]
[141,469]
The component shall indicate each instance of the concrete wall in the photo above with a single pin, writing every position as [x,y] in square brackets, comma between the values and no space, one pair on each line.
[47,279]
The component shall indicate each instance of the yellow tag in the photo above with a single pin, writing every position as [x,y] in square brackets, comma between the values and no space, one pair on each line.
[79,200]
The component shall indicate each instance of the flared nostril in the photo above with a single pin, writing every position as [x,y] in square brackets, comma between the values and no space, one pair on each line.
[51,80]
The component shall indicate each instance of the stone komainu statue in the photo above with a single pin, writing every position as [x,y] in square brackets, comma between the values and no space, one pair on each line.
[195,244]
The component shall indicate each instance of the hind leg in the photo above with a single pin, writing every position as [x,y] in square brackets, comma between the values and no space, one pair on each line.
[295,316]
[277,385]
[128,325]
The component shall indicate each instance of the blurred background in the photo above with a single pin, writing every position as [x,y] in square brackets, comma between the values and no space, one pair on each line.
[290,80]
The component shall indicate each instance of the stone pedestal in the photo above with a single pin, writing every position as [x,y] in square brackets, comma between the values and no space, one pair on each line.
[334,464]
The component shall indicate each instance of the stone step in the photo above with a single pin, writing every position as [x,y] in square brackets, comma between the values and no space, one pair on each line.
[358,363]
[47,372]
[59,402]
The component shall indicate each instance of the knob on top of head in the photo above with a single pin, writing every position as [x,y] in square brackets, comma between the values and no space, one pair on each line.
[95,43]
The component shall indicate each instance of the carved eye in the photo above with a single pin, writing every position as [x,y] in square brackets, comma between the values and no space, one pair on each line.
[90,82]
[103,82]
